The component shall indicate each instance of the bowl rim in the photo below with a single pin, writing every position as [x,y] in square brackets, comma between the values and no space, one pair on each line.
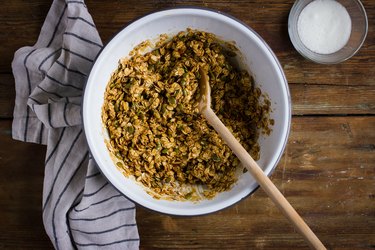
[277,63]
[298,49]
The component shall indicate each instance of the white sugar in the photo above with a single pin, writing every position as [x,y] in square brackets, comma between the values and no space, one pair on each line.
[324,26]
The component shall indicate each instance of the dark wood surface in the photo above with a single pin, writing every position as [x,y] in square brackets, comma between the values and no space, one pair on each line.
[327,171]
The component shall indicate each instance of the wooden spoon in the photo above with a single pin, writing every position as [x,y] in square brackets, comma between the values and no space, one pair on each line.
[254,169]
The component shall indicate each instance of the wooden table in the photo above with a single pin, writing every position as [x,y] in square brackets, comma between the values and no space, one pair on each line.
[327,171]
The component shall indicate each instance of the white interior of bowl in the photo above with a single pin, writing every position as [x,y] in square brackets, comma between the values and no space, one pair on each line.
[257,56]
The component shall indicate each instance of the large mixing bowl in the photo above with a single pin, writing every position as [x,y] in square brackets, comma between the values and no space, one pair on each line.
[257,57]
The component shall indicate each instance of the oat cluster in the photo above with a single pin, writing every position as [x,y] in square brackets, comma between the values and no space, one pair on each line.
[156,132]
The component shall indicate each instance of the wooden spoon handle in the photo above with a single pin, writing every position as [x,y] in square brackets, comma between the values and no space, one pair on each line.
[263,180]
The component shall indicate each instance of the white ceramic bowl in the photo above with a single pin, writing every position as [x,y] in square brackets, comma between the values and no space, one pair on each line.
[258,58]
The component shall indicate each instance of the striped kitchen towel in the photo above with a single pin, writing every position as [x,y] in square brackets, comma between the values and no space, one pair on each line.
[80,208]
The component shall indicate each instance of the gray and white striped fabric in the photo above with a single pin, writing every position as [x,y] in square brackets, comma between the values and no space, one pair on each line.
[80,208]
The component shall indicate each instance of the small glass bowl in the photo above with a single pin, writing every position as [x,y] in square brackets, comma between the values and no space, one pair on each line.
[358,34]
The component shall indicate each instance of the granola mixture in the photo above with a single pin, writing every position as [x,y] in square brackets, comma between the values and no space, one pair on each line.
[156,132]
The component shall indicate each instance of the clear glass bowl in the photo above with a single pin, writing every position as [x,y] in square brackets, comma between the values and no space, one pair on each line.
[357,37]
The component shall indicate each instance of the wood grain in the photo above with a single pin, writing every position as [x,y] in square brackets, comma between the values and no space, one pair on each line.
[21,179]
[327,171]
[307,99]
[268,18]
[311,99]
[7,95]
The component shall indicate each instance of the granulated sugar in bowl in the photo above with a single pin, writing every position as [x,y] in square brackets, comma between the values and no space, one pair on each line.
[324,26]
[327,31]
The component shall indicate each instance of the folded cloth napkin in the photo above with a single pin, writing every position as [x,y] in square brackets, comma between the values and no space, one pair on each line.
[80,208]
